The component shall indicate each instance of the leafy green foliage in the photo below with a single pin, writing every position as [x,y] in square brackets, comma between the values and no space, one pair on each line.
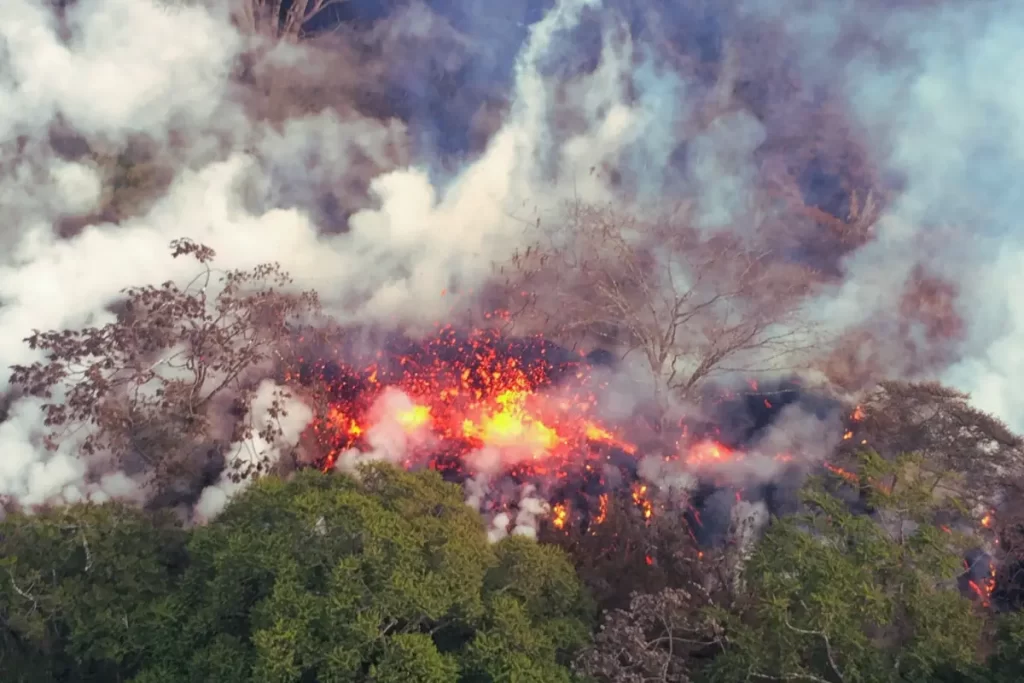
[79,588]
[1007,660]
[389,578]
[836,596]
[962,452]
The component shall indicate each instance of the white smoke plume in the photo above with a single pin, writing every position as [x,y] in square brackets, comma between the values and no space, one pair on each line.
[804,437]
[749,519]
[499,527]
[256,450]
[524,521]
[796,438]
[395,431]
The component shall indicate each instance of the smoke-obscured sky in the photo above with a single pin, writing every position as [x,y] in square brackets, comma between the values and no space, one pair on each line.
[411,144]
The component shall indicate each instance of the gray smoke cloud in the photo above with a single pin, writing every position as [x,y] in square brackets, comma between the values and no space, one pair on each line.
[934,86]
[352,200]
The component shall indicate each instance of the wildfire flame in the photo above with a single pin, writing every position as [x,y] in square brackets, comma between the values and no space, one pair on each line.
[602,513]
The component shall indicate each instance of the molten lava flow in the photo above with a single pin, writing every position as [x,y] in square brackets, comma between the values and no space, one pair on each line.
[414,418]
[708,452]
[602,512]
[479,405]
[983,588]
[599,434]
[641,501]
[510,425]
[845,474]
[472,405]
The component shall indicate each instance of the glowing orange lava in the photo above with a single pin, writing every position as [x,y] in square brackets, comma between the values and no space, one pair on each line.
[559,516]
[984,587]
[414,418]
[640,498]
[471,394]
[510,425]
[708,452]
[849,476]
[472,400]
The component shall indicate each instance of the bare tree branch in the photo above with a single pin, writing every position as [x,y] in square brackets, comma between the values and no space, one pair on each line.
[689,303]
[280,19]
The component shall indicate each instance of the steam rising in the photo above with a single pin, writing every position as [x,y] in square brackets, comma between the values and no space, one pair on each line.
[349,199]
[256,450]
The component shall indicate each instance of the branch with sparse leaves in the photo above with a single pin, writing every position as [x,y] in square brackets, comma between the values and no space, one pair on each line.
[652,641]
[150,384]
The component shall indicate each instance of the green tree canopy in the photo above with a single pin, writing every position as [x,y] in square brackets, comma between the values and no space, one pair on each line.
[389,578]
[78,587]
[840,597]
[1006,662]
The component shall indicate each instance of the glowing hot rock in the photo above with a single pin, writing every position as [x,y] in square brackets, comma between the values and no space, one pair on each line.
[510,426]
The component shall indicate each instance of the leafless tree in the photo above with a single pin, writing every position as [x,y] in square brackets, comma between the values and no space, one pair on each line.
[693,304]
[654,640]
[173,372]
[280,19]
